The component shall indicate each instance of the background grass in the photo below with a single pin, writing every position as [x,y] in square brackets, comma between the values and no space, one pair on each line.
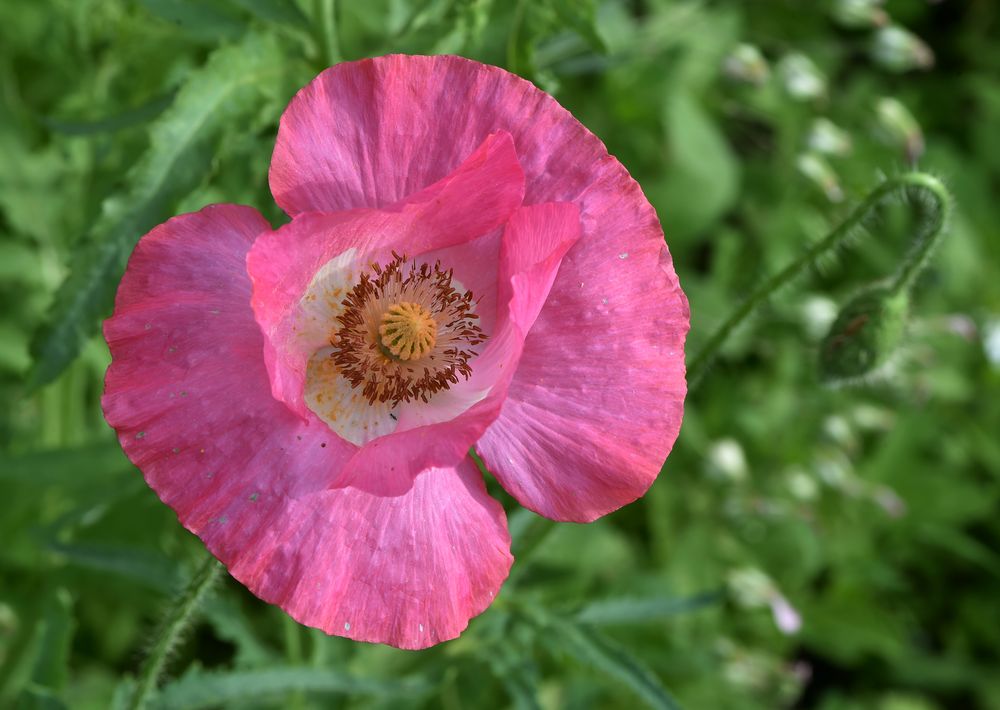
[753,128]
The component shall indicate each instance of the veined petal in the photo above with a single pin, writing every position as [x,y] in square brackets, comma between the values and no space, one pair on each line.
[371,132]
[190,398]
[598,398]
[409,570]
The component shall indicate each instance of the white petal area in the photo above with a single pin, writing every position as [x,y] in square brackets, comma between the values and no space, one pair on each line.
[442,407]
[322,302]
[326,392]
[330,396]
[345,410]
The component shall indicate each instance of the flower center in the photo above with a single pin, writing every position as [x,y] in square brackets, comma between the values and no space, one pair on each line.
[408,331]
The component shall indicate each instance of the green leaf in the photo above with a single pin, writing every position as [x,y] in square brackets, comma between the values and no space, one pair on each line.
[218,96]
[126,119]
[36,656]
[703,174]
[527,532]
[284,11]
[642,611]
[200,689]
[147,567]
[36,698]
[581,17]
[52,664]
[230,624]
[200,19]
[590,647]
[74,466]
[514,671]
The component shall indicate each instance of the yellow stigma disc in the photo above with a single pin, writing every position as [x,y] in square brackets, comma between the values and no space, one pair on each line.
[408,331]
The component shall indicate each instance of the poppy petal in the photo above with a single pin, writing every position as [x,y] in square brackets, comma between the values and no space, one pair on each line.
[189,396]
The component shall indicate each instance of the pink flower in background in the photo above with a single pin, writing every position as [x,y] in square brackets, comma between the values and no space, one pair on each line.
[465,265]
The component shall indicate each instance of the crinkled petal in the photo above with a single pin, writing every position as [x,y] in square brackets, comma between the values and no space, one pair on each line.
[370,133]
[408,570]
[598,397]
[190,398]
[474,200]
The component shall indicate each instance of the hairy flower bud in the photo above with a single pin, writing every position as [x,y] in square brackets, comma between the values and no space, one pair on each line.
[865,334]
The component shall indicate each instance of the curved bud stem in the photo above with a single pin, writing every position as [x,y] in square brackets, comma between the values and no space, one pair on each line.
[935,202]
[177,620]
[935,207]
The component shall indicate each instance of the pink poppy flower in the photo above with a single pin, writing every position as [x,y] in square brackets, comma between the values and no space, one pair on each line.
[465,265]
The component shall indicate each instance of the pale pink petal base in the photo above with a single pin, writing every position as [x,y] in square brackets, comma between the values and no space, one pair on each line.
[189,395]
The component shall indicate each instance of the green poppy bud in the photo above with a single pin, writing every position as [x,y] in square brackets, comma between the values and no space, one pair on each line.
[898,127]
[747,65]
[859,13]
[801,78]
[828,138]
[899,50]
[865,334]
[821,174]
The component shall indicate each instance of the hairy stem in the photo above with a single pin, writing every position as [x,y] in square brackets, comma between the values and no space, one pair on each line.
[925,189]
[177,620]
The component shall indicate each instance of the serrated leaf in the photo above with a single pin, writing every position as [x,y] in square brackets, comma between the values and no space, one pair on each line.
[200,689]
[642,611]
[220,94]
[590,647]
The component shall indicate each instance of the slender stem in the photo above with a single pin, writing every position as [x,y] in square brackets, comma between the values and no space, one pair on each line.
[177,620]
[293,651]
[326,15]
[929,230]
[934,217]
[514,37]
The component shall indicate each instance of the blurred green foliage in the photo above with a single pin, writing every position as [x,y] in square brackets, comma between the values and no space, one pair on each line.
[871,511]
